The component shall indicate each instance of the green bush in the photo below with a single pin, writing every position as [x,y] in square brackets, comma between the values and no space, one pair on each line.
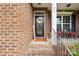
[74,48]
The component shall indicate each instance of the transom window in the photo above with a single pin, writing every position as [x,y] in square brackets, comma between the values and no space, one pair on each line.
[64,23]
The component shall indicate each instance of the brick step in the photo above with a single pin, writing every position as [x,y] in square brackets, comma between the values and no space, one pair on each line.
[40,50]
[39,46]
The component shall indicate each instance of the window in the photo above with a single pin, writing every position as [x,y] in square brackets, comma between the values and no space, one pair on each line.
[58,23]
[64,23]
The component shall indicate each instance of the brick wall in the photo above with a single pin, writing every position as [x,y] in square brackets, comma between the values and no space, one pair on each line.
[15,28]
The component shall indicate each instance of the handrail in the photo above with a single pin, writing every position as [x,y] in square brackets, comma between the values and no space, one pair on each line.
[59,38]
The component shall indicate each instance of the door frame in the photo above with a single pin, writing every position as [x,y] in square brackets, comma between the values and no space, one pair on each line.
[34,25]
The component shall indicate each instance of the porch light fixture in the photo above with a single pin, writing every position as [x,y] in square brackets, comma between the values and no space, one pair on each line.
[39,3]
[68,5]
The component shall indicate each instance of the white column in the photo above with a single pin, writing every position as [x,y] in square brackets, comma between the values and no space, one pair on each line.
[54,24]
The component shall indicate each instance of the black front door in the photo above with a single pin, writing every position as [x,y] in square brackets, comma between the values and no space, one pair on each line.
[39,26]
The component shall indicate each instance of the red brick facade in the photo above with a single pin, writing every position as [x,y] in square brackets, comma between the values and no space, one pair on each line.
[15,28]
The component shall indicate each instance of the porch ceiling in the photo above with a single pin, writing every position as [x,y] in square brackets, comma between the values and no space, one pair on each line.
[46,5]
[63,6]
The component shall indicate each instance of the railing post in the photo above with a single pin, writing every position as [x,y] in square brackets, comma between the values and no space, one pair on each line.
[54,24]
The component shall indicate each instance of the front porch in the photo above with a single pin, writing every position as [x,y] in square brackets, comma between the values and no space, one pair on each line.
[60,38]
[68,28]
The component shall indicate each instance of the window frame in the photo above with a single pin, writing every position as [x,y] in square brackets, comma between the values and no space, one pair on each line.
[62,23]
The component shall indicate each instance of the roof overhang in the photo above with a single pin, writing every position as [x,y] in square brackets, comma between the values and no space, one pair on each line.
[68,6]
[42,5]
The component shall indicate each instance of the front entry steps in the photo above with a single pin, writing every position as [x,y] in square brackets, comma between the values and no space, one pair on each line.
[40,50]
